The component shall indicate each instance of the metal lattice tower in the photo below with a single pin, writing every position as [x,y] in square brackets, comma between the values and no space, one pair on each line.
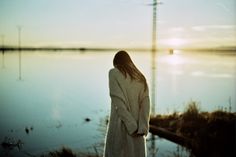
[154,70]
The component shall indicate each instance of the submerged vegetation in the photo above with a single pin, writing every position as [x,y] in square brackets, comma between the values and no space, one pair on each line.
[67,152]
[212,134]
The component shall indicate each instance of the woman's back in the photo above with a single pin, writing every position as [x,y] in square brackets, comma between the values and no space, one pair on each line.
[130,108]
[134,91]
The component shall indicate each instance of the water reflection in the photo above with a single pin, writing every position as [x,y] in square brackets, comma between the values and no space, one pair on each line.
[174,59]
[64,95]
[3,60]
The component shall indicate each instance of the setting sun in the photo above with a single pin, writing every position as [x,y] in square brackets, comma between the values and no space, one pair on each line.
[176,42]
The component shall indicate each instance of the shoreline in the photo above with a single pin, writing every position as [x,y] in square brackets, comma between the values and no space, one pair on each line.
[208,133]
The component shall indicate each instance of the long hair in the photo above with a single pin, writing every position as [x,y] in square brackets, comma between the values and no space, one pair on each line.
[123,62]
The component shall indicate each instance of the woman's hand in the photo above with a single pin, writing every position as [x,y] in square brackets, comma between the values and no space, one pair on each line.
[136,134]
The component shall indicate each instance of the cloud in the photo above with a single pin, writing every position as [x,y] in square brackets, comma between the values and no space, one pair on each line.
[198,73]
[210,75]
[177,29]
[220,75]
[215,27]
[199,28]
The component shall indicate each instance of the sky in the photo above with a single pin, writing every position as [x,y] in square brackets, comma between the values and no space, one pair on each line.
[118,23]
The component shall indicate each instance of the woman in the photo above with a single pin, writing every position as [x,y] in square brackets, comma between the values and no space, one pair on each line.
[130,109]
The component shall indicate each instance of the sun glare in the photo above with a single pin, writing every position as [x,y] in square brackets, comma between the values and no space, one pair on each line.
[174,59]
[176,42]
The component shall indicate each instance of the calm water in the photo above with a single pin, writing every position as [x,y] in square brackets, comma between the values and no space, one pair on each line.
[59,90]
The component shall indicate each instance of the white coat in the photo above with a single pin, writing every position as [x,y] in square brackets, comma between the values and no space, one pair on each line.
[129,116]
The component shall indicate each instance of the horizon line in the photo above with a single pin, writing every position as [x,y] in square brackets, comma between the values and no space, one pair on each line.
[57,48]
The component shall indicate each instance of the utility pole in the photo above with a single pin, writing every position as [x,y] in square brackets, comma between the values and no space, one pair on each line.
[153,81]
[154,33]
[19,49]
[3,64]
[154,70]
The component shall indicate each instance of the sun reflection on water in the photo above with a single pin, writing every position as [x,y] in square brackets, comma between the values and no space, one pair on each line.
[174,59]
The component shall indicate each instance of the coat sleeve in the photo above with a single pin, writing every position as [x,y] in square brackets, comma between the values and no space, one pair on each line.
[118,99]
[144,114]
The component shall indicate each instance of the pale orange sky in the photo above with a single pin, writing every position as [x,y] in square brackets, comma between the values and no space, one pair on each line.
[118,23]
